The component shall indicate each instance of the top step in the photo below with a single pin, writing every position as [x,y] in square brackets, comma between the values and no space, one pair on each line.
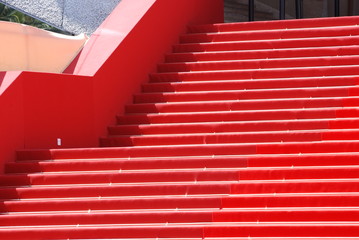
[271,25]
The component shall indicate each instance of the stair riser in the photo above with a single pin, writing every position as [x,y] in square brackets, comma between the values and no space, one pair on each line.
[108,232]
[269,34]
[170,203]
[114,191]
[186,163]
[182,232]
[255,187]
[259,74]
[141,177]
[242,105]
[257,137]
[268,44]
[322,173]
[283,24]
[265,45]
[260,84]
[246,95]
[133,164]
[290,216]
[234,127]
[181,217]
[192,150]
[288,231]
[234,116]
[262,54]
[108,218]
[259,64]
[184,202]
[223,127]
[199,176]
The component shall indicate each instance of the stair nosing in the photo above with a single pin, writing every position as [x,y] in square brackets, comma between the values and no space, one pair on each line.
[257,79]
[259,60]
[341,87]
[188,170]
[242,100]
[182,196]
[261,50]
[239,122]
[256,70]
[183,210]
[349,26]
[183,183]
[266,40]
[233,111]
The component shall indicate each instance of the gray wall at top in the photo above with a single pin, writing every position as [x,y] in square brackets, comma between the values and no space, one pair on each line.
[75,16]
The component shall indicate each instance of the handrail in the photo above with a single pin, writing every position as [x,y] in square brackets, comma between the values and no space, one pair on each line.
[298,9]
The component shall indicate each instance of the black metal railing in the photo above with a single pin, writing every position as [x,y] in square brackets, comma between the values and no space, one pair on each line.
[298,9]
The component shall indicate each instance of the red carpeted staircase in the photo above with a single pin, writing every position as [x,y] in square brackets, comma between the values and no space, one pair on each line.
[248,131]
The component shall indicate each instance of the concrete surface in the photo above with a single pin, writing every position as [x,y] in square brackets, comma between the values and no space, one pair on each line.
[74,16]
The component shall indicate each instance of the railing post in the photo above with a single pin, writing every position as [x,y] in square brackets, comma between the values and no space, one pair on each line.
[336,8]
[250,10]
[281,9]
[299,8]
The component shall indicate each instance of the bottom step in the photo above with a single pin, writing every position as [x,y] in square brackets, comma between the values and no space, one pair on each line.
[313,229]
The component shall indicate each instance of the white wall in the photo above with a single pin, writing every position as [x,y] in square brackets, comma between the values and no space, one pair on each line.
[75,16]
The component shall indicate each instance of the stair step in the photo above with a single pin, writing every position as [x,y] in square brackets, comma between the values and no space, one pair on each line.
[247,84]
[242,105]
[116,177]
[190,162]
[300,72]
[171,217]
[231,137]
[114,190]
[283,24]
[259,64]
[180,175]
[178,189]
[281,229]
[211,202]
[266,44]
[109,218]
[191,150]
[270,34]
[309,92]
[237,126]
[276,114]
[262,54]
[125,203]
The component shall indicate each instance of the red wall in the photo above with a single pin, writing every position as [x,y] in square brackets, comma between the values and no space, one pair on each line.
[38,108]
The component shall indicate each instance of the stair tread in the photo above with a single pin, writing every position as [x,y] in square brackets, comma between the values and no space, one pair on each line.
[266,44]
[296,28]
[319,22]
[274,41]
[256,64]
[191,57]
[270,34]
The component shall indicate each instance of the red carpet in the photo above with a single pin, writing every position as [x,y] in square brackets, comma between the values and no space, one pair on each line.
[247,131]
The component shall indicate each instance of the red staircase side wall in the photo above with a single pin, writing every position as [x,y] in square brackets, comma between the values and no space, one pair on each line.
[38,108]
